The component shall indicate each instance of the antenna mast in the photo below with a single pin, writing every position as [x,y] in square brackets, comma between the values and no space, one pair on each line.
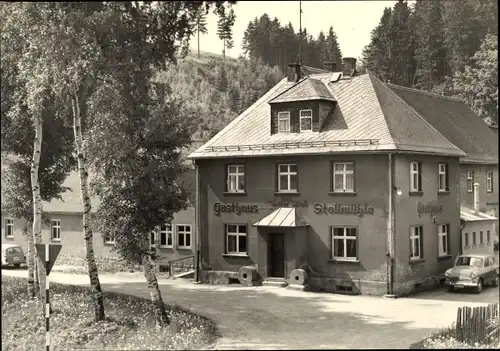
[300,32]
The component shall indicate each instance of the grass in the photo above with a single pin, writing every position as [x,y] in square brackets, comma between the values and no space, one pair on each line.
[130,323]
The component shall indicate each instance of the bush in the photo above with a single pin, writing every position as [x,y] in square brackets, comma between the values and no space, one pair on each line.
[130,324]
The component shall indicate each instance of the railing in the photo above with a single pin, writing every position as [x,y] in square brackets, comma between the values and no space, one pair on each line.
[474,324]
[181,265]
[292,145]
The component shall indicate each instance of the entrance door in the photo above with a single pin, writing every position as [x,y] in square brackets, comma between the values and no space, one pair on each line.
[276,260]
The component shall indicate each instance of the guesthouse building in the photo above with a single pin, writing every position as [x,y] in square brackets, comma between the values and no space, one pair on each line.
[336,174]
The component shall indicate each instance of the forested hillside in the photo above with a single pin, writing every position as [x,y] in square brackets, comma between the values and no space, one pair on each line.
[448,47]
[217,90]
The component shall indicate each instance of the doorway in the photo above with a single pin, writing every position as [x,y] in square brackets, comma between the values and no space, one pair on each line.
[276,257]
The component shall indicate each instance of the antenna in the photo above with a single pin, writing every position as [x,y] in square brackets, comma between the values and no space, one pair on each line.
[300,32]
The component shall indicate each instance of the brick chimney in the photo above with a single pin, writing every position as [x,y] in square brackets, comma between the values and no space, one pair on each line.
[476,198]
[294,72]
[330,66]
[348,67]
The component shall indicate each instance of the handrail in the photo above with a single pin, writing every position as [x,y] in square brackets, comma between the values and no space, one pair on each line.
[180,259]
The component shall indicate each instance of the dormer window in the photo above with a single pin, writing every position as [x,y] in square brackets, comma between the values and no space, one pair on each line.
[283,122]
[306,118]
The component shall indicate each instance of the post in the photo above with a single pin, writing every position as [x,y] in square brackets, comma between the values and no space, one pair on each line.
[47,300]
[390,230]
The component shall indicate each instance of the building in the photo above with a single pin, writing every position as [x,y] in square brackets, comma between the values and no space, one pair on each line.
[174,241]
[334,173]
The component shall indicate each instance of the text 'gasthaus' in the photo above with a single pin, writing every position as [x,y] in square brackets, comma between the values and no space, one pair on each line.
[234,207]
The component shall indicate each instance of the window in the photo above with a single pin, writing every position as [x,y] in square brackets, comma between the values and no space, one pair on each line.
[9,228]
[343,177]
[287,178]
[481,238]
[236,178]
[443,237]
[108,239]
[443,177]
[489,182]
[283,122]
[470,182]
[488,237]
[416,243]
[236,239]
[344,243]
[466,239]
[415,176]
[166,236]
[474,242]
[55,230]
[183,236]
[306,120]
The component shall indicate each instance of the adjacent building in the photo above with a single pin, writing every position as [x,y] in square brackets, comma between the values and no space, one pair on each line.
[336,173]
[174,240]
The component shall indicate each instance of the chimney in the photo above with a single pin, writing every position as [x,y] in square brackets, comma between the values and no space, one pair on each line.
[294,72]
[348,67]
[476,198]
[330,66]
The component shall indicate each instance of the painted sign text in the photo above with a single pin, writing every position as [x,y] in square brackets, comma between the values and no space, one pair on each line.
[356,209]
[234,207]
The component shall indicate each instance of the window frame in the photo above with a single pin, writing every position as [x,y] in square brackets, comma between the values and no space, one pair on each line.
[474,239]
[417,172]
[238,235]
[481,237]
[178,232]
[466,239]
[287,118]
[288,173]
[489,182]
[470,181]
[9,223]
[488,237]
[444,173]
[236,174]
[158,234]
[306,117]
[52,227]
[344,174]
[110,241]
[440,235]
[420,242]
[344,237]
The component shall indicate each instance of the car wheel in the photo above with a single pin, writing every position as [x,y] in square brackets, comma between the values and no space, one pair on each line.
[17,265]
[495,282]
[451,289]
[479,286]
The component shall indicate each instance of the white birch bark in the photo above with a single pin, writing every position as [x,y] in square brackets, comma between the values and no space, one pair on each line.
[30,258]
[154,291]
[37,200]
[97,295]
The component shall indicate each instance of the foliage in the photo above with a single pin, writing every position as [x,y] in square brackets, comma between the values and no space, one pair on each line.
[477,84]
[225,25]
[217,92]
[278,45]
[129,326]
[199,24]
[445,339]
[430,45]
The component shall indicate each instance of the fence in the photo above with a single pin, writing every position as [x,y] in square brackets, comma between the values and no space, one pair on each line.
[473,324]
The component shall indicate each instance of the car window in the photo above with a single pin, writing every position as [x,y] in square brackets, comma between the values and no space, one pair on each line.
[487,262]
[469,261]
[14,250]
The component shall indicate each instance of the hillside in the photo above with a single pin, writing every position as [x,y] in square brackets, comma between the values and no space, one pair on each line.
[216,91]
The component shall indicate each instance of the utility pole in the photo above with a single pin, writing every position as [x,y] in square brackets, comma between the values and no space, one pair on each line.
[300,32]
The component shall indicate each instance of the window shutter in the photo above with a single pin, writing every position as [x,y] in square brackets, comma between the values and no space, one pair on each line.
[420,176]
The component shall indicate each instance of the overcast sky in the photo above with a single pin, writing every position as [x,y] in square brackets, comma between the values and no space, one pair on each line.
[351,20]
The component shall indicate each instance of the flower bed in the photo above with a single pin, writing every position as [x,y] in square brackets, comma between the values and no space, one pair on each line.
[130,323]
[445,339]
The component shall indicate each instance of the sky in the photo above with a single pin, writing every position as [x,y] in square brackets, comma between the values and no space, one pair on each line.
[351,20]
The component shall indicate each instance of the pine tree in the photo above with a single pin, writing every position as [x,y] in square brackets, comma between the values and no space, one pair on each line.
[199,24]
[225,25]
[333,48]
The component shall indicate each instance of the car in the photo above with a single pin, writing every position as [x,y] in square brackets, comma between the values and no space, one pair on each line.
[472,271]
[12,255]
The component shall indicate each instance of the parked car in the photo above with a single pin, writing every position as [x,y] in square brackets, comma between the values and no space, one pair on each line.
[12,255]
[472,271]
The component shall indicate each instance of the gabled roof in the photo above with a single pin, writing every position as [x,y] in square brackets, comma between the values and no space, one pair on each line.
[456,121]
[469,215]
[305,89]
[368,117]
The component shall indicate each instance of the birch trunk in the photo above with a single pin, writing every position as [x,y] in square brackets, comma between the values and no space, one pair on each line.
[87,206]
[154,290]
[37,200]
[30,258]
